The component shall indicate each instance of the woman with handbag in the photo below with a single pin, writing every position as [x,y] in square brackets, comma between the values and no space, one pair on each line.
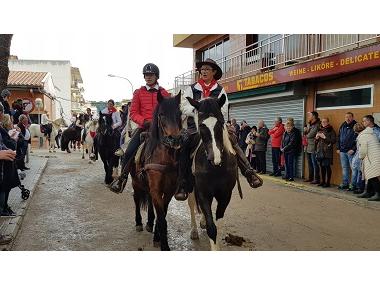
[325,139]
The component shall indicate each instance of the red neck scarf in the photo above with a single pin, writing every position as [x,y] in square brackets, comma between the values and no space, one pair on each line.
[112,110]
[206,89]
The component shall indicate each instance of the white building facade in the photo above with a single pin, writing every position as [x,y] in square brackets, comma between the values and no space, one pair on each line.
[61,73]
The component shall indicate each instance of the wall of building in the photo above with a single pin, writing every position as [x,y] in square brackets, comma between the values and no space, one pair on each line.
[49,105]
[336,116]
[61,74]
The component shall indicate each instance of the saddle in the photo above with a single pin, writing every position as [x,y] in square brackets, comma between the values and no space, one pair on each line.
[46,129]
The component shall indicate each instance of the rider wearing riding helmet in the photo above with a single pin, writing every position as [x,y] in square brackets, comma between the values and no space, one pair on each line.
[110,109]
[207,86]
[141,111]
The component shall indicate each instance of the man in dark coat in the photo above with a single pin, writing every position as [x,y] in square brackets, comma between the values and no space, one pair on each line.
[346,148]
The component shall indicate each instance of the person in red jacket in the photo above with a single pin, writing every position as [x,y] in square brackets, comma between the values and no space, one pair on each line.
[276,136]
[141,112]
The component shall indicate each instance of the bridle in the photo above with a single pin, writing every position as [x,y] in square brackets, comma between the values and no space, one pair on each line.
[168,141]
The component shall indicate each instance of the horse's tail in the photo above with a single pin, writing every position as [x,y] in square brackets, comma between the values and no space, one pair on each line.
[64,142]
[143,197]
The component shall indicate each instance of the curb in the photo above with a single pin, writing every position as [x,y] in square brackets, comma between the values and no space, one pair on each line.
[325,192]
[15,223]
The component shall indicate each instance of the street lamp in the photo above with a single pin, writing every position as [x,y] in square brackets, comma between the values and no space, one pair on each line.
[39,105]
[112,75]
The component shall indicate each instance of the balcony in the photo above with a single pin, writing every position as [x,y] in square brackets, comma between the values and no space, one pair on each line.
[280,51]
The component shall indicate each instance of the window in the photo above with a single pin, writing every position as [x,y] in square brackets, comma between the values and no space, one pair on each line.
[352,97]
[217,51]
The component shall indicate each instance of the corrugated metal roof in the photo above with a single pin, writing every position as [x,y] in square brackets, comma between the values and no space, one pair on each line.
[26,78]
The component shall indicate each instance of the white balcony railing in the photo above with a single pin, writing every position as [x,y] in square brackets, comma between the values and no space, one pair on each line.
[279,51]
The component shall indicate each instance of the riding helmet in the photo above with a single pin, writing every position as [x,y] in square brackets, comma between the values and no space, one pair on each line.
[151,68]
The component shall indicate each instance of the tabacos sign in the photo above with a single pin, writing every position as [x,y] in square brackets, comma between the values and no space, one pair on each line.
[331,65]
[255,81]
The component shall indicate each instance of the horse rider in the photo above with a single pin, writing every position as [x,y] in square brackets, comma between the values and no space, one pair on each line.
[74,119]
[126,127]
[86,118]
[207,86]
[110,109]
[88,115]
[46,126]
[141,111]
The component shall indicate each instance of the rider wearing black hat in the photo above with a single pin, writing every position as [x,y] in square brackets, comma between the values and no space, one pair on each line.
[207,86]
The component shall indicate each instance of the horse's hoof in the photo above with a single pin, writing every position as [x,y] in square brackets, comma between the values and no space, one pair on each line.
[139,228]
[157,244]
[194,235]
[50,151]
[149,228]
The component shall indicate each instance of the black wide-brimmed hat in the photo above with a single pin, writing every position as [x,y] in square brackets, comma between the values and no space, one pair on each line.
[213,64]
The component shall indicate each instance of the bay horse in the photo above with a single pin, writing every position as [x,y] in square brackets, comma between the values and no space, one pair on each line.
[214,166]
[154,175]
[107,143]
[89,138]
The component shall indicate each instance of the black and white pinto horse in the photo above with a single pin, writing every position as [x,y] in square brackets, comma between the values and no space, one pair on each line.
[107,143]
[88,135]
[214,167]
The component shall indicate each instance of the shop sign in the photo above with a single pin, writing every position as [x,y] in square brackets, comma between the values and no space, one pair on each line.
[340,63]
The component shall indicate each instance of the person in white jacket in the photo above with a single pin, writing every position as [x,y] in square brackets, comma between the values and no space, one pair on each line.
[110,109]
[369,153]
[207,86]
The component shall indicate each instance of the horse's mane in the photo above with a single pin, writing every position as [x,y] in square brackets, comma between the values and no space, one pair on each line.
[212,107]
[168,105]
[154,134]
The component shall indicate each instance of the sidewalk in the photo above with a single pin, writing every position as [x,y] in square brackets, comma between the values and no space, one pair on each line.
[331,191]
[10,226]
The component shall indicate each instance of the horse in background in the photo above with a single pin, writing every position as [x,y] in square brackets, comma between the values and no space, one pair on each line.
[88,138]
[35,131]
[154,174]
[79,124]
[107,142]
[214,167]
[72,135]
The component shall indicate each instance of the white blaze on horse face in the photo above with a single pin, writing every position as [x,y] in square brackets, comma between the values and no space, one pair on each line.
[210,124]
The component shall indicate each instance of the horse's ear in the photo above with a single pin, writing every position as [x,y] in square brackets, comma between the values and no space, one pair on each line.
[159,96]
[193,102]
[178,98]
[222,100]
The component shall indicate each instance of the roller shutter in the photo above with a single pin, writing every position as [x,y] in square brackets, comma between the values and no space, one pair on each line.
[268,110]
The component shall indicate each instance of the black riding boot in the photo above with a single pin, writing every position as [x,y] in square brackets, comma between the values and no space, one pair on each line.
[185,180]
[129,154]
[245,167]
